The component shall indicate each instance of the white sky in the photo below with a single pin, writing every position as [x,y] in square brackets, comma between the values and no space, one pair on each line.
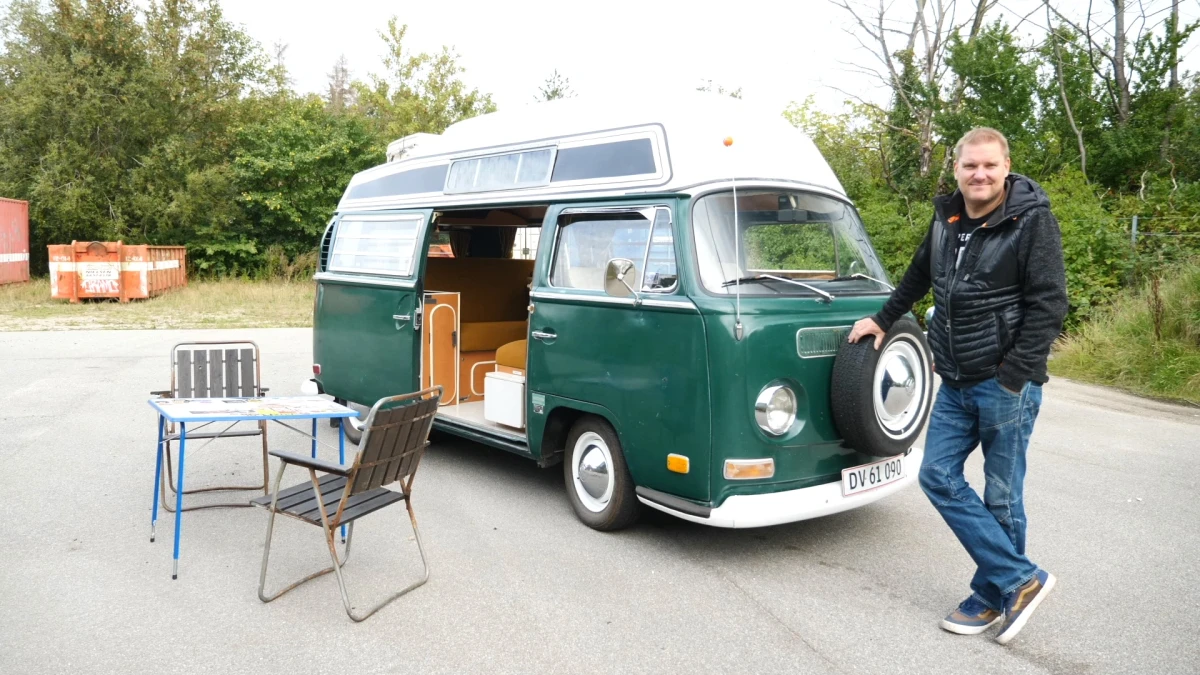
[776,51]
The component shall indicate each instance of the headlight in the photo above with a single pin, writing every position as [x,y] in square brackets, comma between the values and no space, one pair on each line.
[775,409]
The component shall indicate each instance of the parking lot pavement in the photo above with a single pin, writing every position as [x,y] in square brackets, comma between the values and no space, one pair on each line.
[519,585]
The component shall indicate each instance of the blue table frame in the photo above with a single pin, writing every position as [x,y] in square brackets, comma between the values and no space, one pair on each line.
[209,410]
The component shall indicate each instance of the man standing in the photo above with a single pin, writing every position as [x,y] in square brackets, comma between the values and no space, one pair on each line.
[993,256]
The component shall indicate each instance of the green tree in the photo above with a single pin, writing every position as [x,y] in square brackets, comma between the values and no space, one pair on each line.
[74,113]
[851,150]
[1071,113]
[418,93]
[999,81]
[203,68]
[555,87]
[291,166]
[107,121]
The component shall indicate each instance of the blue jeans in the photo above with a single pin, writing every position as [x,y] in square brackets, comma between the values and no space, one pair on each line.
[992,530]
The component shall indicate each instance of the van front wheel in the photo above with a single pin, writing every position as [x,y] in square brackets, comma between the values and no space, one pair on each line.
[597,480]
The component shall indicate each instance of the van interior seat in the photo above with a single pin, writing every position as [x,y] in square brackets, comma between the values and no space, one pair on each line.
[482,336]
[493,298]
[512,355]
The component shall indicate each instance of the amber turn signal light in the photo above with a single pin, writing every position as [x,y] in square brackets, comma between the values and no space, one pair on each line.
[678,463]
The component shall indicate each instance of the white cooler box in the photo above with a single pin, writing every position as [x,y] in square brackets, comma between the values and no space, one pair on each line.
[504,399]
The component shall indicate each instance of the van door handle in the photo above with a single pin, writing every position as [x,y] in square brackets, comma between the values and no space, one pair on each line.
[402,317]
[543,335]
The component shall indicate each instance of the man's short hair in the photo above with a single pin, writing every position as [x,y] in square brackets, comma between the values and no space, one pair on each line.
[981,135]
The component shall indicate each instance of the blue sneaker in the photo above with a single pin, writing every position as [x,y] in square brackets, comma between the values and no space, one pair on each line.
[971,618]
[1019,606]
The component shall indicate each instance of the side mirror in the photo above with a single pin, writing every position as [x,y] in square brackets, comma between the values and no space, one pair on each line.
[928,317]
[617,275]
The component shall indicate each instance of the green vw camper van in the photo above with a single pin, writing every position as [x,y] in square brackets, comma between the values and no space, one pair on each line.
[654,296]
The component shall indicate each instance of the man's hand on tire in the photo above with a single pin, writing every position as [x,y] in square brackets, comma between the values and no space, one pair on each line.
[865,327]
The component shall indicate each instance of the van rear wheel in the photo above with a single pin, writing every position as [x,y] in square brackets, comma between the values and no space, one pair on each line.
[597,479]
[354,425]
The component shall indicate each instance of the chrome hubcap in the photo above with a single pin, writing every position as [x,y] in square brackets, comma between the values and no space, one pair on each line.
[591,472]
[900,387]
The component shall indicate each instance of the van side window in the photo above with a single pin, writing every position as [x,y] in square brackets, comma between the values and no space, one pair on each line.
[661,275]
[375,244]
[586,242]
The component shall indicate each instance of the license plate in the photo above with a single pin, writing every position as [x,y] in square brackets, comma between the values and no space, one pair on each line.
[870,476]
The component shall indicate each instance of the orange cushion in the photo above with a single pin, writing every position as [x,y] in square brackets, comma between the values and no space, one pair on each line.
[488,335]
[512,354]
[492,289]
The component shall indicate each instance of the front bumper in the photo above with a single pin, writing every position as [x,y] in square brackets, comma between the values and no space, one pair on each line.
[775,508]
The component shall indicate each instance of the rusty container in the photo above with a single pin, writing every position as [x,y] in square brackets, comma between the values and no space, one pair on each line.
[14,241]
[105,269]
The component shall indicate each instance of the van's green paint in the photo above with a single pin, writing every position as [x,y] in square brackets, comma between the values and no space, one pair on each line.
[669,379]
[352,319]
[647,365]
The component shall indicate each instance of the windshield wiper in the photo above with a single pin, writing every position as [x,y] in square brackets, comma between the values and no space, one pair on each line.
[860,275]
[744,280]
[763,277]
[747,280]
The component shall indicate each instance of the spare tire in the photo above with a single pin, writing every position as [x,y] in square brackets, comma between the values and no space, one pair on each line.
[881,398]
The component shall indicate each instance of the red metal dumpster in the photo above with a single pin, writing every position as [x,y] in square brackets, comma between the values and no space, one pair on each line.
[105,269]
[14,241]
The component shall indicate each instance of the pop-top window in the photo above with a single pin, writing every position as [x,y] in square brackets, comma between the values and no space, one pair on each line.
[501,172]
[414,181]
[605,160]
[375,244]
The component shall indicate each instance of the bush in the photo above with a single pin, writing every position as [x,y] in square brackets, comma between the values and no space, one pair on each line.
[1147,341]
[1095,249]
[277,267]
[896,232]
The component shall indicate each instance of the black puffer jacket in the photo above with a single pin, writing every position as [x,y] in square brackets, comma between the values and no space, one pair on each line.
[999,312]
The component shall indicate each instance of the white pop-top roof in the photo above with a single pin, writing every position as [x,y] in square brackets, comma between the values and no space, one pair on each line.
[685,133]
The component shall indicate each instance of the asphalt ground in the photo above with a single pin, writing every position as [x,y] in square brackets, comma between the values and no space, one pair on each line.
[519,585]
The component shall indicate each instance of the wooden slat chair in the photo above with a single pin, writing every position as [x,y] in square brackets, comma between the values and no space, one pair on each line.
[396,433]
[217,369]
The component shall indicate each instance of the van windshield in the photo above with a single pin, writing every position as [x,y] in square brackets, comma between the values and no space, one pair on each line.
[786,234]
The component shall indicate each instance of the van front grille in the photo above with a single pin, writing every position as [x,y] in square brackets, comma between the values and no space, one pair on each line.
[819,342]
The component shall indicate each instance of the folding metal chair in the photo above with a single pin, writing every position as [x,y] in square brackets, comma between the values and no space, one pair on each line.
[396,433]
[214,369]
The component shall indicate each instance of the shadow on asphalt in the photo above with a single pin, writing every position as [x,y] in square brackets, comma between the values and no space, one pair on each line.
[454,455]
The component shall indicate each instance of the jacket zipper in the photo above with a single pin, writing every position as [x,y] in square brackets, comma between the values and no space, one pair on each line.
[954,276]
[950,293]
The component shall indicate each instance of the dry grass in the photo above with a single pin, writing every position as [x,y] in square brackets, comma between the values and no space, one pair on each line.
[1147,342]
[227,303]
